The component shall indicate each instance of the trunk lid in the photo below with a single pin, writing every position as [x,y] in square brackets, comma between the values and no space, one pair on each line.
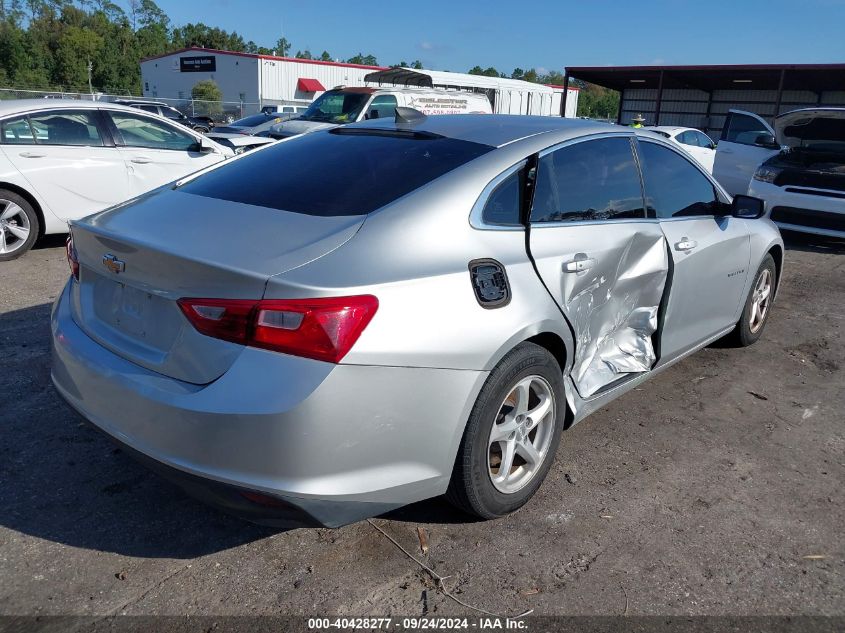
[138,259]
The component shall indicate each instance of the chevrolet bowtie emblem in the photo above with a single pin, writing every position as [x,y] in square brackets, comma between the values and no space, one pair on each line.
[113,263]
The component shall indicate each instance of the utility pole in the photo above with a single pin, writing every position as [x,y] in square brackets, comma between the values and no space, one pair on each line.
[90,87]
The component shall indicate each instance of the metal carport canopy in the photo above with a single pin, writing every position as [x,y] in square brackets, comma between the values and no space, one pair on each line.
[813,77]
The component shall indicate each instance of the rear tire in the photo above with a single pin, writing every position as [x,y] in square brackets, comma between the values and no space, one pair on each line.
[19,225]
[512,434]
[758,304]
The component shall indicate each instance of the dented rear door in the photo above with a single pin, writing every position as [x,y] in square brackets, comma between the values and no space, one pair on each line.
[604,262]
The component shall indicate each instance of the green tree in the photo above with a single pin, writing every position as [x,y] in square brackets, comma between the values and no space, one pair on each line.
[282,47]
[325,56]
[486,72]
[208,93]
[366,60]
[306,54]
[416,65]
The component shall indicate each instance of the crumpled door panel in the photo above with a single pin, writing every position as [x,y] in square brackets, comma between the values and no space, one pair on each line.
[613,307]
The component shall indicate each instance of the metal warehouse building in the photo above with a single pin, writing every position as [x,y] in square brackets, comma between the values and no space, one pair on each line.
[701,96]
[258,80]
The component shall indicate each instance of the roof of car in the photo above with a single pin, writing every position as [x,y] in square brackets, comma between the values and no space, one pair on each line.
[495,130]
[669,128]
[16,106]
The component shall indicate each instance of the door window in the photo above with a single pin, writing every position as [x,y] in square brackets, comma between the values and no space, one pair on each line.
[16,132]
[140,131]
[686,138]
[592,180]
[68,127]
[703,140]
[172,113]
[744,129]
[674,187]
[382,107]
[149,108]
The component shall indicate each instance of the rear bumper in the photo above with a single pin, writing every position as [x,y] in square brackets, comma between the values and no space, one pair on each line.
[803,212]
[331,443]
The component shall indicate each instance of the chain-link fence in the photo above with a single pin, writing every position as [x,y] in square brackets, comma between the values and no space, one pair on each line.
[219,111]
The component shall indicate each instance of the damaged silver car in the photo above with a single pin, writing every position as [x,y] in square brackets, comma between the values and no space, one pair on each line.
[412,307]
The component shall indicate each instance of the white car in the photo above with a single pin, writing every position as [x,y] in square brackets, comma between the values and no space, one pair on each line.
[63,159]
[695,142]
[796,166]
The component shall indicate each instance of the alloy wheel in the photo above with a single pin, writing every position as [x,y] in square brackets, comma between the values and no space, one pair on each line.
[521,434]
[760,300]
[14,227]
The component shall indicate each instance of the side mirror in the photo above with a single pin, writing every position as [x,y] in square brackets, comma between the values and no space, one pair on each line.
[766,140]
[206,146]
[747,207]
[372,114]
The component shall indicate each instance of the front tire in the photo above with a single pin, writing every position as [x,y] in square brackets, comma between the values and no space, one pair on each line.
[19,225]
[512,434]
[758,305]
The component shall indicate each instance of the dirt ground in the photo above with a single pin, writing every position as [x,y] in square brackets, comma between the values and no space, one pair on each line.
[716,488]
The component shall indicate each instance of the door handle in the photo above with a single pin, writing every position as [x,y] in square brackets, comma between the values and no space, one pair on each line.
[686,244]
[578,265]
[31,155]
[141,160]
[726,151]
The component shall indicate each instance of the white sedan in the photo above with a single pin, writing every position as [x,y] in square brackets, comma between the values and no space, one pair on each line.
[695,142]
[61,160]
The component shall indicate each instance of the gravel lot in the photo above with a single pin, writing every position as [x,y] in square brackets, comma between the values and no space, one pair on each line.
[717,488]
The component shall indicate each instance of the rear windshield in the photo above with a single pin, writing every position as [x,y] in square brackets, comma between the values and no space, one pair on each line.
[346,171]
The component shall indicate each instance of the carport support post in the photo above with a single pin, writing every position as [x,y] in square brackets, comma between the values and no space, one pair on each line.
[780,91]
[565,95]
[659,99]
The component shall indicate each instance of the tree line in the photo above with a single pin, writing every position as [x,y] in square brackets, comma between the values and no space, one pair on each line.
[49,44]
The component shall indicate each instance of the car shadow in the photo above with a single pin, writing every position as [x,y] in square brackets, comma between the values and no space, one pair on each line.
[63,481]
[50,241]
[809,243]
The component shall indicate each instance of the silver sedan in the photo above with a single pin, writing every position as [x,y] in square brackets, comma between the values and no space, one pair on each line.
[408,308]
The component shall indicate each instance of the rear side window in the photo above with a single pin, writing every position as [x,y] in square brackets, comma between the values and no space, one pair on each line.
[346,171]
[503,204]
[592,180]
[16,132]
[674,187]
[71,127]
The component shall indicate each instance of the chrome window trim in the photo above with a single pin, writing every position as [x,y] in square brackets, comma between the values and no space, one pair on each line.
[476,219]
[584,139]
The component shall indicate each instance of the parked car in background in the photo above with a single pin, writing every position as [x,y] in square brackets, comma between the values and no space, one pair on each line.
[197,123]
[253,124]
[700,146]
[797,166]
[284,109]
[375,314]
[347,105]
[240,143]
[64,159]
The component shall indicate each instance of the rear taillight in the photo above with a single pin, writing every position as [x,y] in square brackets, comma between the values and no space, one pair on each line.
[323,329]
[72,259]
